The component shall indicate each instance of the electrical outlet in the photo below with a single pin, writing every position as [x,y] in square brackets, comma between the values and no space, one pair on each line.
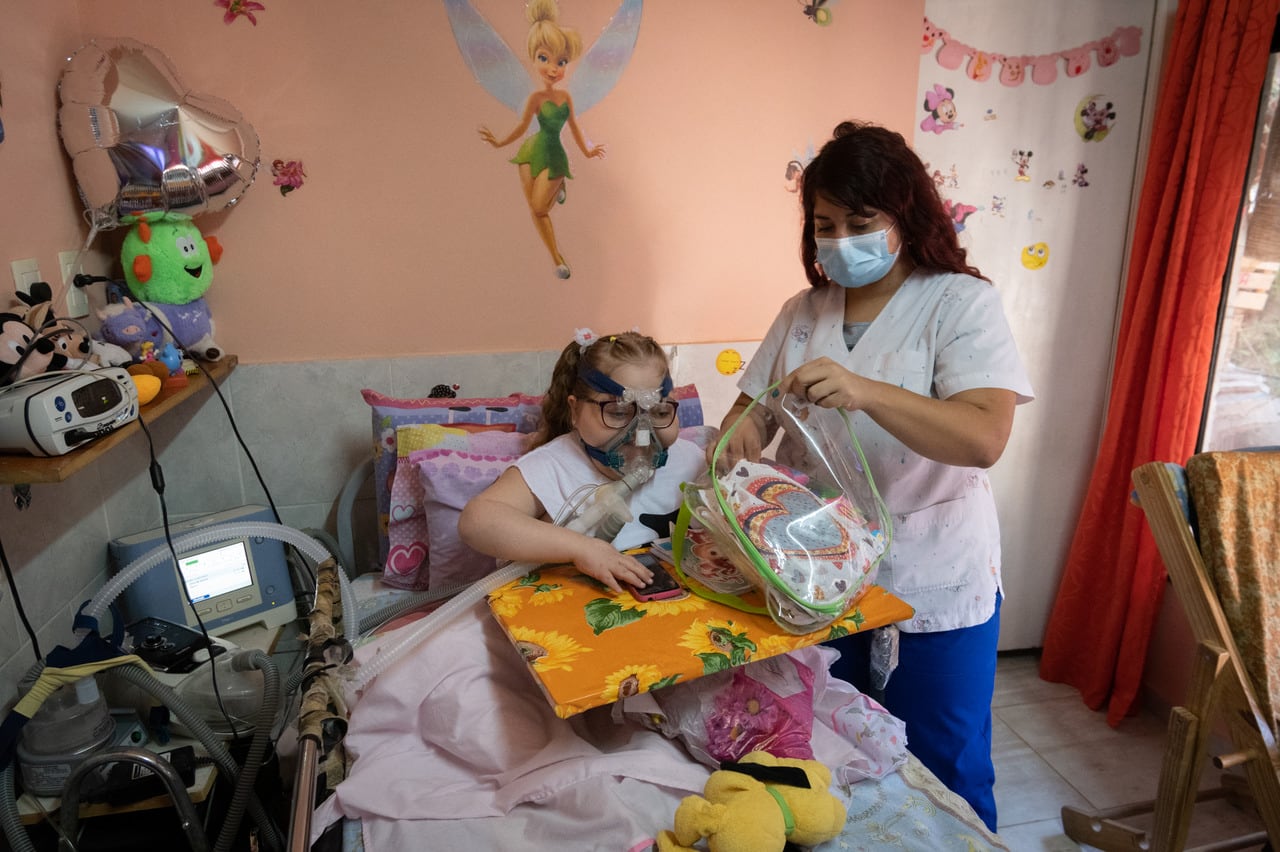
[77,300]
[25,273]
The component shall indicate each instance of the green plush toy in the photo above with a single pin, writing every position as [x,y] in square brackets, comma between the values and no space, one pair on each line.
[166,259]
[168,265]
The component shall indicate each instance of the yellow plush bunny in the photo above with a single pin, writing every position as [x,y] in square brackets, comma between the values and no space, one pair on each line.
[759,804]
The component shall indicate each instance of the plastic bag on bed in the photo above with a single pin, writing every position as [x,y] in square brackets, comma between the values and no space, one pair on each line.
[808,538]
[787,705]
[764,706]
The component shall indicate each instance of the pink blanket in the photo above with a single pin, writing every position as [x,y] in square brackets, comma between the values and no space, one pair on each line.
[456,732]
[457,728]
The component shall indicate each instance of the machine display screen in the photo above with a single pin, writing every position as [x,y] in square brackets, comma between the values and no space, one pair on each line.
[218,571]
[97,397]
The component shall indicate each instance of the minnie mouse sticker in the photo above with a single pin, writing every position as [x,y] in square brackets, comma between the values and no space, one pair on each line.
[1094,118]
[940,104]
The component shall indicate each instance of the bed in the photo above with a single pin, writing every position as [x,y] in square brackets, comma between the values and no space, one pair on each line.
[453,744]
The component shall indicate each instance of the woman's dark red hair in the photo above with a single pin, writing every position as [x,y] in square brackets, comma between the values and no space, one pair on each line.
[865,167]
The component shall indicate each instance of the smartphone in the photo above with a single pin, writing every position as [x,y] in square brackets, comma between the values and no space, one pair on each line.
[663,587]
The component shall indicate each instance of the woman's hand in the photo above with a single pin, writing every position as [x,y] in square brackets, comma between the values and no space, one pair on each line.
[487,135]
[825,383]
[967,429]
[599,560]
[594,151]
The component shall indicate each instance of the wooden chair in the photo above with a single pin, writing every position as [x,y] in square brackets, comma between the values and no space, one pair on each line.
[1220,689]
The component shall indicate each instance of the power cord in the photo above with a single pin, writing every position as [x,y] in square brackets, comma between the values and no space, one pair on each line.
[17,603]
[157,484]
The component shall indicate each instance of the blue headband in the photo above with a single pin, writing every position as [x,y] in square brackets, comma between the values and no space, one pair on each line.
[598,381]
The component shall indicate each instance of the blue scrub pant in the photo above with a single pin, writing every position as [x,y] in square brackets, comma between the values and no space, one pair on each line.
[942,689]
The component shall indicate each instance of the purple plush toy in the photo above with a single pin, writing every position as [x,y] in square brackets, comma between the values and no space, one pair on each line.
[129,324]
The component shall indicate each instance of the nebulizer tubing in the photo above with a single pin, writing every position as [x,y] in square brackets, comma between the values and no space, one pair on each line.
[97,607]
[607,514]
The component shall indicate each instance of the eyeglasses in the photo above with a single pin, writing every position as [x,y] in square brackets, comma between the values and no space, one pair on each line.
[616,414]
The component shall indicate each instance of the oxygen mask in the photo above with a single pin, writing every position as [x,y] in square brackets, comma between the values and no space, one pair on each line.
[635,450]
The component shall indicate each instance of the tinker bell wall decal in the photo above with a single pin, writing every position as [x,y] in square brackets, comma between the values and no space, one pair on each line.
[542,161]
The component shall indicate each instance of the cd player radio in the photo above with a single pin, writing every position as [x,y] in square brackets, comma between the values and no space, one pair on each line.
[52,414]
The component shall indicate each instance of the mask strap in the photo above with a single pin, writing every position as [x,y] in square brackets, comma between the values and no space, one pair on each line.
[598,381]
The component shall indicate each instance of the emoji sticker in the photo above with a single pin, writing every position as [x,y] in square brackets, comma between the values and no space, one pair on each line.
[729,362]
[1035,256]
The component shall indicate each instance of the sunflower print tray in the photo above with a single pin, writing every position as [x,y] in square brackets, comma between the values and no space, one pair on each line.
[587,645]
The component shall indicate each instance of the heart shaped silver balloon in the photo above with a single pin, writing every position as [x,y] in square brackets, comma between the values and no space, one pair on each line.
[140,141]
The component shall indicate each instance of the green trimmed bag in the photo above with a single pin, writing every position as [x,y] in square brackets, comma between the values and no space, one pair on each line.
[809,539]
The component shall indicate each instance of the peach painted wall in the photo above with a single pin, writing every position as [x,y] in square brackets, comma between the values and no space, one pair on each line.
[411,236]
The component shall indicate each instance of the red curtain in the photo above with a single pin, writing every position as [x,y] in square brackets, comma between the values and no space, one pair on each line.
[1102,618]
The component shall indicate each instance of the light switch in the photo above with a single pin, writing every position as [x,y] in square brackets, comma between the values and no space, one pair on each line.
[25,273]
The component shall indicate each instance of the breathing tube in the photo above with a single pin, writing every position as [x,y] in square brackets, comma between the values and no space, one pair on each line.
[370,669]
[97,607]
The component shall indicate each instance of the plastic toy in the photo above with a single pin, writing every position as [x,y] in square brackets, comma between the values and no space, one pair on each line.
[759,804]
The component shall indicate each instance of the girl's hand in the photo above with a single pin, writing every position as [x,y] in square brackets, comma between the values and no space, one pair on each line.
[595,151]
[487,135]
[825,383]
[599,560]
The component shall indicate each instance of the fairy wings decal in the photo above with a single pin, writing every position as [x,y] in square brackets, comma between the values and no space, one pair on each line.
[499,71]
[542,161]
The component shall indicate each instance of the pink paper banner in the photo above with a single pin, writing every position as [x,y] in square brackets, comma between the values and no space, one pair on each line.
[980,64]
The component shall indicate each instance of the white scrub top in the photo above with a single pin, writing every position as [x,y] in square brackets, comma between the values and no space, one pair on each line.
[939,334]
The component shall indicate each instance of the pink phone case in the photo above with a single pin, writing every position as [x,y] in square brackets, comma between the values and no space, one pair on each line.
[663,587]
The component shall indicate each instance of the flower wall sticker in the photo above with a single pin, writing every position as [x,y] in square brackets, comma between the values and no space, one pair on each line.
[288,175]
[237,8]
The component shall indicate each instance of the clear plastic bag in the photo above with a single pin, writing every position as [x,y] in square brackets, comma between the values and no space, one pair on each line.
[808,537]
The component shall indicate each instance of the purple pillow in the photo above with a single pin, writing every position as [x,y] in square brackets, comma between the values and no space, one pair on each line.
[450,478]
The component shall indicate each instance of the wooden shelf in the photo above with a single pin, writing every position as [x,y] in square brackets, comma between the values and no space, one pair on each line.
[28,470]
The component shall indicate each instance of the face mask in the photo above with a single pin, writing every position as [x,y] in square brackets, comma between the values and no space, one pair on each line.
[858,260]
[636,448]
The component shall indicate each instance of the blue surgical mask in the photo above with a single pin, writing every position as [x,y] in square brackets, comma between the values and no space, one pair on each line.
[858,260]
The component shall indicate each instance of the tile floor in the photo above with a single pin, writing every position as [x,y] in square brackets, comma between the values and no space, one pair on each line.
[1051,750]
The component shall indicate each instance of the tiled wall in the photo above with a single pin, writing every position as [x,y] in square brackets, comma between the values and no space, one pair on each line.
[305,425]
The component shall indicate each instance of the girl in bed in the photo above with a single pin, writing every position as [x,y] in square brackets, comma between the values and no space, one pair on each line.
[607,417]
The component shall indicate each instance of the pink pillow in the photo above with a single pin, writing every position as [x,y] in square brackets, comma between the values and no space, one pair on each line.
[449,479]
[407,543]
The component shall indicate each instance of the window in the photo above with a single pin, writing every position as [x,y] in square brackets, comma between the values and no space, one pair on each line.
[1243,409]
